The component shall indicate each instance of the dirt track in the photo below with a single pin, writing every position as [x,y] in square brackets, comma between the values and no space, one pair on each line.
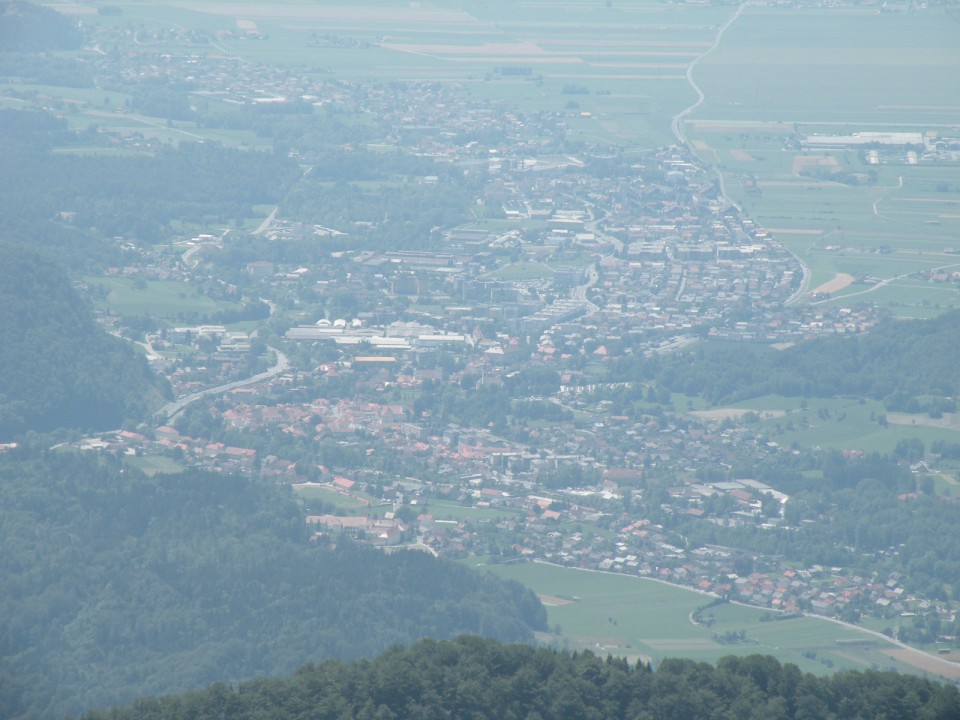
[929,663]
[839,282]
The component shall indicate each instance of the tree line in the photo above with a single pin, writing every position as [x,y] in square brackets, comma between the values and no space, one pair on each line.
[476,679]
[896,362]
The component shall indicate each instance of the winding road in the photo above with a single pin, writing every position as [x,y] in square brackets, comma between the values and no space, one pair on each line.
[676,124]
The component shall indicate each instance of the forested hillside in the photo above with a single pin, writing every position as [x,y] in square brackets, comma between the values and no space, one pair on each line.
[59,368]
[896,361]
[115,585]
[478,679]
[134,196]
[28,27]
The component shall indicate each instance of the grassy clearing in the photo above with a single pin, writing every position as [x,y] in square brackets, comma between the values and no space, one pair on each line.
[838,423]
[153,464]
[947,483]
[623,615]
[160,298]
[350,504]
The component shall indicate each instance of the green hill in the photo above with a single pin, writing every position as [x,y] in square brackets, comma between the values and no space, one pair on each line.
[60,369]
[115,585]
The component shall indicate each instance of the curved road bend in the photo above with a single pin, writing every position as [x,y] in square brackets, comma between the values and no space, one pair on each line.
[171,410]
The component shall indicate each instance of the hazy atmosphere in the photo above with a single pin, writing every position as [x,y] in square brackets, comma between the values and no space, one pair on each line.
[479,359]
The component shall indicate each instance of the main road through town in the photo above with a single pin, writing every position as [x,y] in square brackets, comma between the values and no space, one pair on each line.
[171,410]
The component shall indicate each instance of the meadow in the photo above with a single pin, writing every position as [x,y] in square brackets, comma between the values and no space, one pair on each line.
[841,423]
[153,464]
[157,298]
[650,620]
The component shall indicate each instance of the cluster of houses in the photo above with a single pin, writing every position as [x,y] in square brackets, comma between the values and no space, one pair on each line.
[527,520]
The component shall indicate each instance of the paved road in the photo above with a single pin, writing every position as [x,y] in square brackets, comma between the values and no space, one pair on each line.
[171,410]
[676,125]
[267,222]
[579,293]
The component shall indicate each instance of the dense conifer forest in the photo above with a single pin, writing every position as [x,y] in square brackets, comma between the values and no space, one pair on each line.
[475,678]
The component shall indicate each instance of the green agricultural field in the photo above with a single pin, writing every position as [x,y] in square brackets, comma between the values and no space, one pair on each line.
[846,65]
[165,299]
[154,464]
[348,503]
[780,75]
[623,615]
[841,424]
[625,63]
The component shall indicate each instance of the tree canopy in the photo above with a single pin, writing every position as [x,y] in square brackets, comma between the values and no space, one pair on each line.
[28,27]
[476,678]
[114,584]
[60,369]
[896,361]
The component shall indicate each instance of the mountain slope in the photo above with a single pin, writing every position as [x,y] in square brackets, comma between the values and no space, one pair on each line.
[59,369]
[114,585]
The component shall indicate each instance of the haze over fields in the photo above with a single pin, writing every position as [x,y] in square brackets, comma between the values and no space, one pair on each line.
[624,328]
